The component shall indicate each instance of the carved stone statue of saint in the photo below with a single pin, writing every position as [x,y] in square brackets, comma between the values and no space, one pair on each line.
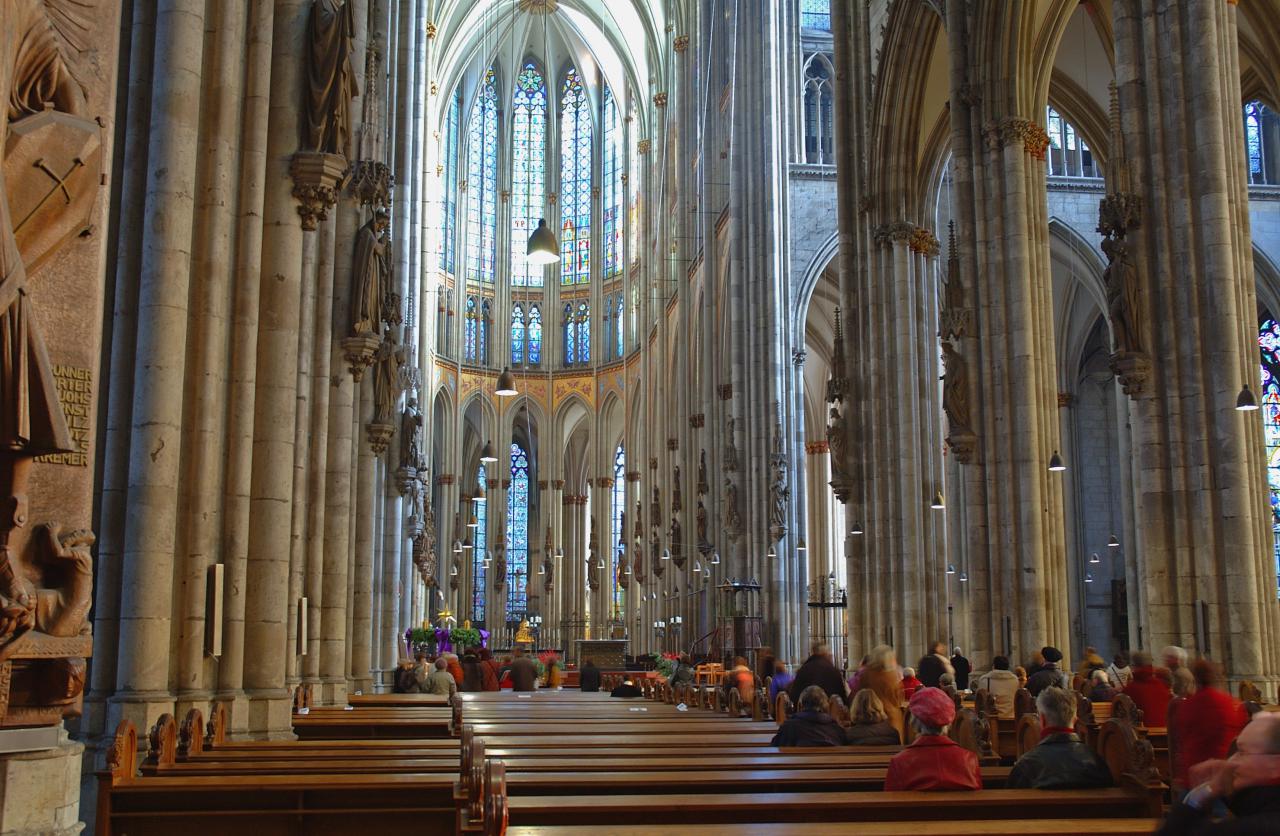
[732,522]
[371,275]
[655,508]
[955,390]
[499,569]
[700,522]
[639,521]
[386,382]
[779,494]
[411,435]
[593,560]
[677,503]
[704,486]
[730,451]
[1124,297]
[331,81]
[837,444]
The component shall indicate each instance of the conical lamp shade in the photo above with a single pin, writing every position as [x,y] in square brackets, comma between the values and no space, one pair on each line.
[1113,542]
[1056,464]
[506,387]
[857,528]
[715,558]
[938,504]
[486,454]
[1245,401]
[453,572]
[543,248]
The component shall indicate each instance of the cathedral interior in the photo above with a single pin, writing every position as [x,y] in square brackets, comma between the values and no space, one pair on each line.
[694,324]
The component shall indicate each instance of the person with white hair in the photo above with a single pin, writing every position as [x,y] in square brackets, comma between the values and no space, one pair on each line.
[1100,687]
[1179,676]
[1247,784]
[1060,761]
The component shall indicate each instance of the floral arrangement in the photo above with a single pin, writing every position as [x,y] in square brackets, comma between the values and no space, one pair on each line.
[665,663]
[464,637]
[420,639]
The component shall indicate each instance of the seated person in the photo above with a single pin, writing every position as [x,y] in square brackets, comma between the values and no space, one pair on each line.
[439,681]
[1060,761]
[1100,688]
[910,684]
[1149,693]
[1247,785]
[1001,683]
[871,726]
[627,690]
[589,676]
[682,673]
[780,680]
[933,761]
[811,725]
[1050,674]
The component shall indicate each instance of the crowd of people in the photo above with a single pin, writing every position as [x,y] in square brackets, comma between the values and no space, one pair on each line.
[1223,762]
[446,675]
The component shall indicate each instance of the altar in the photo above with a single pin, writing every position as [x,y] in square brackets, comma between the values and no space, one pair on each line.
[607,654]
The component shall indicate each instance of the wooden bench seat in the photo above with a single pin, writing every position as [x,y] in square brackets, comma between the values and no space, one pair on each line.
[396,700]
[1019,827]
[731,778]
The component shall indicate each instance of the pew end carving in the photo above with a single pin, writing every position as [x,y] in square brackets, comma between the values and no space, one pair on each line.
[191,735]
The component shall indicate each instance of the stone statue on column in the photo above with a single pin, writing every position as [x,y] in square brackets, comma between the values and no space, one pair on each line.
[331,81]
[655,508]
[637,544]
[499,573]
[1124,297]
[730,451]
[50,165]
[779,492]
[704,486]
[548,565]
[386,382]
[371,274]
[593,560]
[676,537]
[677,502]
[411,435]
[955,391]
[704,545]
[837,445]
[732,521]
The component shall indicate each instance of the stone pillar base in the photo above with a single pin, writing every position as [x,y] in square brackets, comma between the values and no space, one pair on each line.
[40,791]
[334,693]
[270,716]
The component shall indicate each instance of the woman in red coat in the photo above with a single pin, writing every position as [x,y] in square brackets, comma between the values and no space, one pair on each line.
[1148,692]
[1206,722]
[933,761]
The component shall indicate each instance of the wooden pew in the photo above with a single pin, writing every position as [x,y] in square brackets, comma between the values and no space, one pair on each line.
[989,827]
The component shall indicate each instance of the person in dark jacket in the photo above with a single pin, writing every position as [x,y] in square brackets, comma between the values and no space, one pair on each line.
[871,726]
[820,670]
[627,690]
[962,668]
[524,675]
[1049,675]
[472,676]
[682,673]
[811,725]
[405,682]
[589,676]
[1246,786]
[930,669]
[1060,761]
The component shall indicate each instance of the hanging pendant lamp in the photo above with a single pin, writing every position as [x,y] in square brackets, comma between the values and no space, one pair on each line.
[937,503]
[457,547]
[486,454]
[951,568]
[453,571]
[772,553]
[1245,401]
[1114,542]
[666,554]
[1088,577]
[1056,464]
[543,248]
[506,387]
[1093,558]
[715,558]
[801,547]
[964,577]
[857,528]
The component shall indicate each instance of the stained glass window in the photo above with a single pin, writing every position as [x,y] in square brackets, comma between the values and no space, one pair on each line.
[583,337]
[528,171]
[1255,148]
[611,206]
[517,335]
[518,535]
[486,318]
[1269,343]
[617,324]
[482,183]
[633,180]
[480,539]
[450,160]
[616,530]
[535,335]
[570,335]
[575,181]
[815,14]
[469,331]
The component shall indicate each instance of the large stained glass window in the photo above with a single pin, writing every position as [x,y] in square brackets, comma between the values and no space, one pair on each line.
[518,535]
[528,171]
[482,183]
[469,329]
[486,319]
[570,335]
[517,334]
[535,335]
[815,14]
[618,307]
[1269,343]
[480,539]
[450,174]
[1256,119]
[577,334]
[615,528]
[575,181]
[611,205]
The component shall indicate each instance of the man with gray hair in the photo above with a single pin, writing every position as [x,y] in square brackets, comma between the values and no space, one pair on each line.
[1178,675]
[811,725]
[1061,761]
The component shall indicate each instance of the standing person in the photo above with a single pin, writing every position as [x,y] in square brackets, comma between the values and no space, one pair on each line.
[1149,693]
[439,681]
[1178,676]
[962,668]
[1206,722]
[882,677]
[1060,761]
[1090,663]
[818,669]
[488,670]
[855,681]
[765,661]
[1049,675]
[472,677]
[933,761]
[933,665]
[1001,684]
[589,676]
[421,670]
[781,679]
[811,725]
[455,667]
[524,675]
[554,675]
[741,678]
[405,682]
[1118,671]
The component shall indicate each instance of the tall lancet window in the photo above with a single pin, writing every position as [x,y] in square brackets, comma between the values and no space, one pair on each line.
[518,535]
[482,183]
[575,181]
[535,335]
[517,334]
[815,14]
[819,114]
[615,528]
[449,229]
[470,328]
[1069,154]
[1269,343]
[611,205]
[528,171]
[1261,142]
[619,331]
[479,554]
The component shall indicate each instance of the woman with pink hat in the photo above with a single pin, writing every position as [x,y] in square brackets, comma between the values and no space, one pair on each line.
[933,761]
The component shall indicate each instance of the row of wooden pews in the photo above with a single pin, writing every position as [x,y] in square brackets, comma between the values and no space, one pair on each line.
[642,763]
